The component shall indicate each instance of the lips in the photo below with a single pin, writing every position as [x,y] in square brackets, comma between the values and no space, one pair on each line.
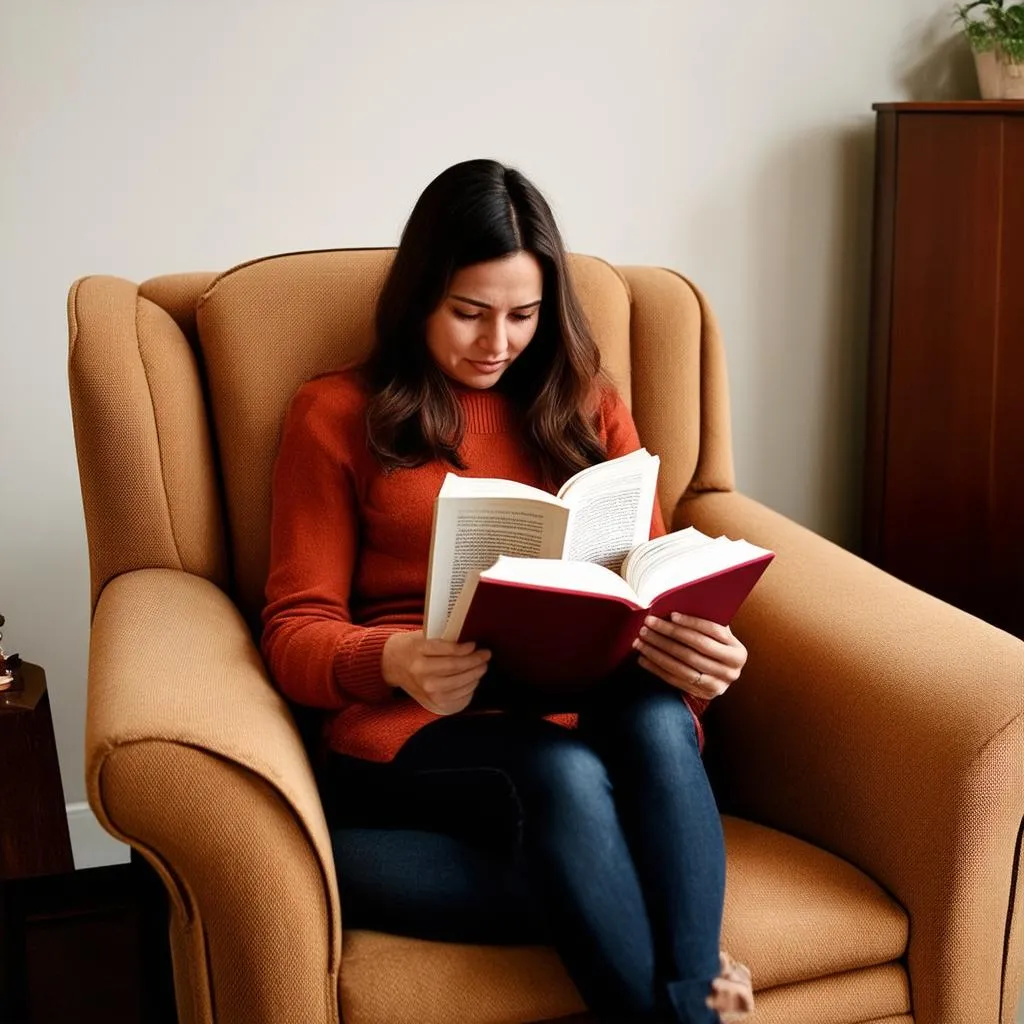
[488,367]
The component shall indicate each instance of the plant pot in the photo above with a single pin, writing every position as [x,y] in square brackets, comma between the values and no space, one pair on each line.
[999,78]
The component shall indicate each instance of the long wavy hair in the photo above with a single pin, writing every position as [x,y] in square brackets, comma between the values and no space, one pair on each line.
[476,211]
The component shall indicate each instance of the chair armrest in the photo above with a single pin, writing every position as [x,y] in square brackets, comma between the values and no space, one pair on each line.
[888,727]
[193,758]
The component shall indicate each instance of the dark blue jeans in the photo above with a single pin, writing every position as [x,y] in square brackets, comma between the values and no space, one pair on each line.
[604,841]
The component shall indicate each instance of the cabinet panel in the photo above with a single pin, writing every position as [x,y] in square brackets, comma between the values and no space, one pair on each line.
[1006,594]
[876,418]
[942,344]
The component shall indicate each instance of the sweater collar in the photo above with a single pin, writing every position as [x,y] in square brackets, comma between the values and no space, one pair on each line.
[485,411]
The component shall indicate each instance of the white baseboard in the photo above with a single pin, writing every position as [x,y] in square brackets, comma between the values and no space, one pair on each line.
[91,846]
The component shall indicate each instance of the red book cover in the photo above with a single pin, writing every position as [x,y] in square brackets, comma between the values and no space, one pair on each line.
[566,640]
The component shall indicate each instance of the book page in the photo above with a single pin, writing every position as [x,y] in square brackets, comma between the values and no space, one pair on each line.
[659,550]
[492,487]
[460,609]
[556,574]
[603,474]
[470,533]
[611,506]
[671,571]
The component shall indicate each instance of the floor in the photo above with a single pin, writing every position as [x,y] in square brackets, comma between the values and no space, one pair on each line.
[86,948]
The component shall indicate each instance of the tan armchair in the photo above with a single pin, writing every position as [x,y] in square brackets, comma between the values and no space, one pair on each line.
[871,760]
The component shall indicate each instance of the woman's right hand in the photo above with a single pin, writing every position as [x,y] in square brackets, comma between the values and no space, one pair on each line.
[440,675]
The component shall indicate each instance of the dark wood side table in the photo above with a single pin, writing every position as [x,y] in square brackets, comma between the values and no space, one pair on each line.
[34,838]
[76,947]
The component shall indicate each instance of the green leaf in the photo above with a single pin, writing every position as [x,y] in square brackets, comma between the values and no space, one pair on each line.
[991,24]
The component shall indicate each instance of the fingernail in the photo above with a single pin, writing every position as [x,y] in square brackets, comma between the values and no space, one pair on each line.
[650,620]
[676,617]
[644,631]
[636,644]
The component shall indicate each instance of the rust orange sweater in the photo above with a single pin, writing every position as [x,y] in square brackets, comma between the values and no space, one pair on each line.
[349,548]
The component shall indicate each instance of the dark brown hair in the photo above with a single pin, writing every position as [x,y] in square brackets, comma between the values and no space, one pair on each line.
[476,211]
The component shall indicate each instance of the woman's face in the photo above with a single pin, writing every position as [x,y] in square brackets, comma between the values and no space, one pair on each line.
[487,318]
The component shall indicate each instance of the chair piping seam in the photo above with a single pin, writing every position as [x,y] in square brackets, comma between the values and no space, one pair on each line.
[156,428]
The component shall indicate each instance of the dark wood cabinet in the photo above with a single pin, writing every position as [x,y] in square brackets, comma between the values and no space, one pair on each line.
[76,947]
[944,469]
[34,837]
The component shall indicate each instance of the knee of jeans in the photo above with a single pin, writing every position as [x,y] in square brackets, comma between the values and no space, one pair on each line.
[569,770]
[659,719]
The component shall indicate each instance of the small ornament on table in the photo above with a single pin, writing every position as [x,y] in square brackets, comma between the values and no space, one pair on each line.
[8,663]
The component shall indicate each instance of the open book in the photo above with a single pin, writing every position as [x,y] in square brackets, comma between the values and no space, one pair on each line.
[558,586]
[599,515]
[556,623]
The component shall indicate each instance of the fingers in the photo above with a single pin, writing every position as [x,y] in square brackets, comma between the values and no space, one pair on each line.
[705,627]
[652,643]
[732,994]
[447,648]
[451,704]
[734,1001]
[724,658]
[683,668]
[441,697]
[446,694]
[708,638]
[425,665]
[440,666]
[706,687]
[437,684]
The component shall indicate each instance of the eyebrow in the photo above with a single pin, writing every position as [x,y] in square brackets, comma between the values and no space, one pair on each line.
[485,305]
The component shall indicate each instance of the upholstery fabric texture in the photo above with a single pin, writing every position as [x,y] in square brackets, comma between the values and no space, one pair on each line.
[870,762]
[792,913]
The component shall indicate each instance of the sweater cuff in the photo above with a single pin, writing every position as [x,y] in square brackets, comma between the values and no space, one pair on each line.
[357,664]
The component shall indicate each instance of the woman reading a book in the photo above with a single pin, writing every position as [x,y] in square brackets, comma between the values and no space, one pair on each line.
[484,365]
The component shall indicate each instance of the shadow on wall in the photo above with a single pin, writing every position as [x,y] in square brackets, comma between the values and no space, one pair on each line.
[934,61]
[811,253]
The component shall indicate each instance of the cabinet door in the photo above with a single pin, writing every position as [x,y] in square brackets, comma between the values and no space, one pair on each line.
[1006,590]
[942,357]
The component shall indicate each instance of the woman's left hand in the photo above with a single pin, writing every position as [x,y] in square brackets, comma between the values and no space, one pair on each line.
[694,655]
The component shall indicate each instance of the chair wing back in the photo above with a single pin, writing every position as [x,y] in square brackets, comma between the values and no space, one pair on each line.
[179,388]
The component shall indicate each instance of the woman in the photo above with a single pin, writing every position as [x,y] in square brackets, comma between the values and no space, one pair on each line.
[484,364]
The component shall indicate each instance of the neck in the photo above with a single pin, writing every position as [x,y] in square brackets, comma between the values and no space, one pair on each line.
[485,411]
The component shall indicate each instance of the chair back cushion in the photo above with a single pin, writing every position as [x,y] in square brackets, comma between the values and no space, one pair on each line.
[267,326]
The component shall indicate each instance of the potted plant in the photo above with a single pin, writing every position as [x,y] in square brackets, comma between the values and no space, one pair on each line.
[995,30]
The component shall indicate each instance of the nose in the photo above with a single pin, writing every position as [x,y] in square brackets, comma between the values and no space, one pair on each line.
[494,340]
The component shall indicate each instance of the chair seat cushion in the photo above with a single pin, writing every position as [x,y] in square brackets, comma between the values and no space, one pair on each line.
[793,912]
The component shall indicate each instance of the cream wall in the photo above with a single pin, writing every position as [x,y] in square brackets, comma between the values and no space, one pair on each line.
[733,142]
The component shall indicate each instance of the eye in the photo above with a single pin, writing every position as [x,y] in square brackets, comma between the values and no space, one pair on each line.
[522,317]
[463,315]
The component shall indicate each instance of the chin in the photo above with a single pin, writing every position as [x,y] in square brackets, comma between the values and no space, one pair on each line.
[479,379]
[481,382]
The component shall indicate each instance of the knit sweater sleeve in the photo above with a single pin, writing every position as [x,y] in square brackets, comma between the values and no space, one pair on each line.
[317,655]
[621,438]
